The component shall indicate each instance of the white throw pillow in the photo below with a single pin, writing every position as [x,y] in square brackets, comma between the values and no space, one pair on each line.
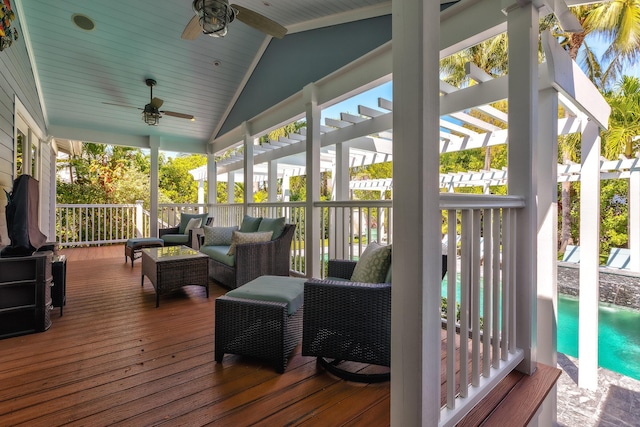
[192,224]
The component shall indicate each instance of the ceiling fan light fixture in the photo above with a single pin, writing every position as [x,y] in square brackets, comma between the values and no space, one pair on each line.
[150,115]
[214,16]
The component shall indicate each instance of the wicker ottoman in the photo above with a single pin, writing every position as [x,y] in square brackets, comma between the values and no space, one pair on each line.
[133,247]
[262,318]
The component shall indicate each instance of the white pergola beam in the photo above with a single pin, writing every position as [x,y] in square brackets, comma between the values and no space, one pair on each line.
[494,113]
[469,23]
[474,121]
[476,73]
[566,77]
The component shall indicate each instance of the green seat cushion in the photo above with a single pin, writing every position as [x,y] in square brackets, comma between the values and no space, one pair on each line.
[273,288]
[181,239]
[219,253]
[184,220]
[373,265]
[250,224]
[142,240]
[272,224]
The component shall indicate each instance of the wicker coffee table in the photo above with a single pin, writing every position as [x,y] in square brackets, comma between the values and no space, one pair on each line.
[172,267]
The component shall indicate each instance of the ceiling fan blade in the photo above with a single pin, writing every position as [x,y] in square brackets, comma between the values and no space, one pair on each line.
[156,102]
[122,105]
[179,115]
[259,22]
[192,30]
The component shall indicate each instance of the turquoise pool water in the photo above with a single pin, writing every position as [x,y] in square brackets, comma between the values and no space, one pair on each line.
[618,334]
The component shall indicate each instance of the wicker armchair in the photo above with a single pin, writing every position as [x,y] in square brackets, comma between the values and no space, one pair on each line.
[172,236]
[348,321]
[253,260]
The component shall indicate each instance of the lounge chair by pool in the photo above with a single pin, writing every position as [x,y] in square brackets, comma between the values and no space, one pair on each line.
[571,254]
[619,258]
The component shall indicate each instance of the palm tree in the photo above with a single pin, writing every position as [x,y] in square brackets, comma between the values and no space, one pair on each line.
[489,55]
[618,23]
[624,121]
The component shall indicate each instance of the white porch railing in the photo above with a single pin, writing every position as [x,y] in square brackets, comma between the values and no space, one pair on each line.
[78,225]
[346,228]
[480,279]
[227,215]
[484,261]
[93,224]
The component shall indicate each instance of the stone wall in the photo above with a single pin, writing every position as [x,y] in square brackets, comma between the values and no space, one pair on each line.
[618,287]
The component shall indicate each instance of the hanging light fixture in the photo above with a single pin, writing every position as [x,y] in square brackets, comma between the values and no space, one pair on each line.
[150,115]
[215,16]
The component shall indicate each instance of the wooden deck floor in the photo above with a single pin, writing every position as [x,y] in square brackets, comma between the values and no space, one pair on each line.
[113,358]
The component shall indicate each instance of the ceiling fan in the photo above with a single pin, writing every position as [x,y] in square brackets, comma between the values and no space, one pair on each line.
[151,112]
[213,16]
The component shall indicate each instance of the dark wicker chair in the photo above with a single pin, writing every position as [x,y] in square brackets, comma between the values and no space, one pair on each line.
[254,260]
[192,240]
[348,321]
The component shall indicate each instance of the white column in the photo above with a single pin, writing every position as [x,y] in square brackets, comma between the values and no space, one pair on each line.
[547,304]
[154,145]
[589,257]
[415,311]
[547,226]
[341,186]
[248,167]
[231,183]
[522,30]
[201,191]
[52,193]
[139,219]
[272,181]
[212,181]
[634,219]
[312,215]
[286,188]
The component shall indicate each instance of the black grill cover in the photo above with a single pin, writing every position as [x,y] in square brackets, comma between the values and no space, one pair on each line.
[22,218]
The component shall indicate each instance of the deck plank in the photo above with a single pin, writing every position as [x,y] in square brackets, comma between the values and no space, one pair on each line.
[114,358]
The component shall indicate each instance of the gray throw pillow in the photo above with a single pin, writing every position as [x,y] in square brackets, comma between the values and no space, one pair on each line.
[218,236]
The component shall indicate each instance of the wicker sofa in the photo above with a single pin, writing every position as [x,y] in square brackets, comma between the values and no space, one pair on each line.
[251,260]
[349,321]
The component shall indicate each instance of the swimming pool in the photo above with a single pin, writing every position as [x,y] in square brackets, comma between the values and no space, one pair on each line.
[618,334]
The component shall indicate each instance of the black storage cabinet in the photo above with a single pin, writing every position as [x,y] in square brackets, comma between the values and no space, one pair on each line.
[25,294]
